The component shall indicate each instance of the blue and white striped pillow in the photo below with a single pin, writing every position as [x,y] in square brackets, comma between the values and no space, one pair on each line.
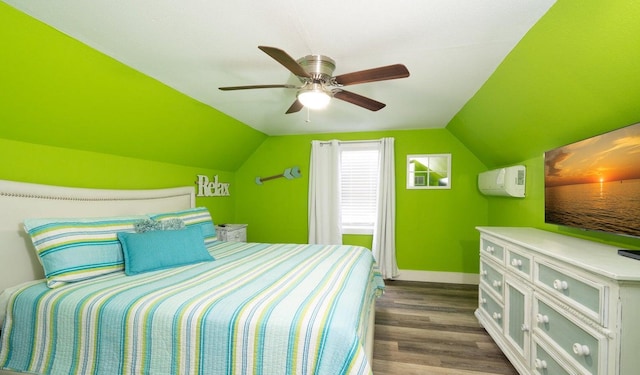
[198,217]
[75,249]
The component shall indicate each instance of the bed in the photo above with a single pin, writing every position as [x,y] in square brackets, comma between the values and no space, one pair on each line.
[233,308]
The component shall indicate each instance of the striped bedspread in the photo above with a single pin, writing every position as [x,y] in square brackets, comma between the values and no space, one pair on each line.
[256,309]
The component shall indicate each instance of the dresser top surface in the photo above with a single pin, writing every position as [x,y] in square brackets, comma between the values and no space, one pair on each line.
[593,256]
[231,226]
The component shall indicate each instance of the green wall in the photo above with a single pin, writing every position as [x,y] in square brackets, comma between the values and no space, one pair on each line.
[28,162]
[57,91]
[434,228]
[71,116]
[574,75]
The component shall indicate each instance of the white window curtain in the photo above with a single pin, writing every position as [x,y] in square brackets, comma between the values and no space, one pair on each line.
[384,233]
[324,193]
[324,202]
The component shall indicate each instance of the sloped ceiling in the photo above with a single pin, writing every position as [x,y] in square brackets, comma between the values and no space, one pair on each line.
[57,91]
[574,75]
[450,47]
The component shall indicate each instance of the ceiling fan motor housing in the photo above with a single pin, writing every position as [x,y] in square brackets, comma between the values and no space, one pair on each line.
[320,67]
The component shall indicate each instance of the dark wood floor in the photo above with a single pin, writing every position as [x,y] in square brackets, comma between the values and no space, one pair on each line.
[429,328]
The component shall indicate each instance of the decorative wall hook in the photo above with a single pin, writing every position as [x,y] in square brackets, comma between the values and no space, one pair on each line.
[289,173]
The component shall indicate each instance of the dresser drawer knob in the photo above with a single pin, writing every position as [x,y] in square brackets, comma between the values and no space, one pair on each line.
[484,272]
[524,328]
[560,285]
[540,363]
[581,350]
[483,301]
[490,249]
[516,262]
[542,318]
[497,283]
[497,316]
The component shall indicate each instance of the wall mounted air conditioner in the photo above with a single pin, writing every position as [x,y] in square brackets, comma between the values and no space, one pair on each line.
[508,181]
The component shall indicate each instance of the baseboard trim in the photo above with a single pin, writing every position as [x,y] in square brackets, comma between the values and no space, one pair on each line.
[439,277]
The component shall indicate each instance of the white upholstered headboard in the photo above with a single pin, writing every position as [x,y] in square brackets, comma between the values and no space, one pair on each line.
[19,200]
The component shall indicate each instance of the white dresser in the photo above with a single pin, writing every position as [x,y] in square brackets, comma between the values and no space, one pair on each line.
[232,232]
[559,305]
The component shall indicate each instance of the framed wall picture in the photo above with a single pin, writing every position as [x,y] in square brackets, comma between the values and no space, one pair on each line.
[429,171]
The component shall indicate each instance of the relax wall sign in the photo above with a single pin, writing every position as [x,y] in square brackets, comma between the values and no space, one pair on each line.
[208,188]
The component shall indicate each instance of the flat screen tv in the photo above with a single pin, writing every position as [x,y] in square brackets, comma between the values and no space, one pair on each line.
[594,184]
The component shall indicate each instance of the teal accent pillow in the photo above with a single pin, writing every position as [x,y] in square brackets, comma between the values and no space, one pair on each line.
[157,250]
[193,217]
[76,249]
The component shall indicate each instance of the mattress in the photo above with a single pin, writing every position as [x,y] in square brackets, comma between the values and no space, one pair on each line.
[256,309]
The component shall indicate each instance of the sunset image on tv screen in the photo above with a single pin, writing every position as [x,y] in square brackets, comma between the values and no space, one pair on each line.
[594,184]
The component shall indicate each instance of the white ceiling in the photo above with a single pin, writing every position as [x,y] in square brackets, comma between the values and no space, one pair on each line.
[450,47]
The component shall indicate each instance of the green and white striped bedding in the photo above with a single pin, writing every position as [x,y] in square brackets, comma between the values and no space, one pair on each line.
[257,309]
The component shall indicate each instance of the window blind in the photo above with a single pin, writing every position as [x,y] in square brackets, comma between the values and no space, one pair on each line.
[359,185]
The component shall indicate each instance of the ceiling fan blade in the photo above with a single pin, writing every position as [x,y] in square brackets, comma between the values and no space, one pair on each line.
[287,61]
[295,107]
[371,75]
[229,88]
[358,100]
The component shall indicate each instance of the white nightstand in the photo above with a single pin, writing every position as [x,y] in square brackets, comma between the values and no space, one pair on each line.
[232,232]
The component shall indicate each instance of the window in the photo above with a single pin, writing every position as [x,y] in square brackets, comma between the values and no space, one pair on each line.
[359,174]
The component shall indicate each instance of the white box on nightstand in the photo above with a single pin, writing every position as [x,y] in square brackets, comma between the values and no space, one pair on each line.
[232,232]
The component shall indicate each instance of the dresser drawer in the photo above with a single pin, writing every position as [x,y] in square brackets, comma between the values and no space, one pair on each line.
[492,308]
[586,348]
[545,364]
[583,294]
[239,235]
[232,232]
[519,263]
[492,248]
[491,277]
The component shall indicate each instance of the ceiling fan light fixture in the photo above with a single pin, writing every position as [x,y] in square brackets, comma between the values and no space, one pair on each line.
[314,97]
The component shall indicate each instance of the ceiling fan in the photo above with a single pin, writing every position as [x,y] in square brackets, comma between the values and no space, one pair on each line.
[318,85]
